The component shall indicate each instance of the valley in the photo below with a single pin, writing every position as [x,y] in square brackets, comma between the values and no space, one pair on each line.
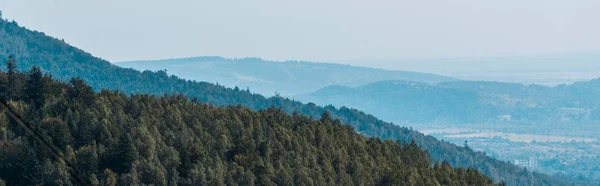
[554,152]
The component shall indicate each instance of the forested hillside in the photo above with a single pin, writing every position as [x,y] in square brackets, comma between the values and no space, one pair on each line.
[114,139]
[64,61]
[267,77]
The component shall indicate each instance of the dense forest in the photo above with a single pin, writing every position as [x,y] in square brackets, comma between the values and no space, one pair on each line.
[110,138]
[63,62]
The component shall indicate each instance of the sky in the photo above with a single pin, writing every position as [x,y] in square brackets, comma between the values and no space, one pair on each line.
[347,31]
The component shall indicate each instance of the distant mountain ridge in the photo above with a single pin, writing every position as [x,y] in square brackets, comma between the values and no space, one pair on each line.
[466,101]
[401,101]
[547,69]
[267,77]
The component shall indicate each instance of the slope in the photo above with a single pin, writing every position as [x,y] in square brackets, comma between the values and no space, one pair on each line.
[143,139]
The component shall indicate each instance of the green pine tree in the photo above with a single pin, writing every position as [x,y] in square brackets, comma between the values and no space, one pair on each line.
[35,88]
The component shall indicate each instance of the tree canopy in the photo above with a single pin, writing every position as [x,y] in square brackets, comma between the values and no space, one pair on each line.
[117,139]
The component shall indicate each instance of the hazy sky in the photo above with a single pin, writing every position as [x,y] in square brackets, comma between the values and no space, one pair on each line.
[314,30]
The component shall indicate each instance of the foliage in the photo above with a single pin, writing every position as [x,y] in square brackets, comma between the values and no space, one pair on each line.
[115,139]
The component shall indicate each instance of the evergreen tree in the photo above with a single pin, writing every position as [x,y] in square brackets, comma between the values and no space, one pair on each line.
[127,153]
[35,88]
[13,89]
[80,92]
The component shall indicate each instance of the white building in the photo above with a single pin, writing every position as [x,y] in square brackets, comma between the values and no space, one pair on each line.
[530,163]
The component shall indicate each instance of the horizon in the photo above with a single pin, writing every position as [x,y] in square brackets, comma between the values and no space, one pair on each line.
[113,40]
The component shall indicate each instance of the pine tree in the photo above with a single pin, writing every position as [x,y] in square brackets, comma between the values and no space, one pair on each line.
[35,88]
[80,92]
[13,87]
[326,116]
[127,153]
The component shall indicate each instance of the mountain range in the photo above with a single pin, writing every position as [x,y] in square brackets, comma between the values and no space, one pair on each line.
[467,101]
[268,77]
[63,62]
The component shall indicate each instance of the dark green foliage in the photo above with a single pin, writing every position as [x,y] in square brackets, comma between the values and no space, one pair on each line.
[35,88]
[13,85]
[63,62]
[170,140]
[80,93]
[58,131]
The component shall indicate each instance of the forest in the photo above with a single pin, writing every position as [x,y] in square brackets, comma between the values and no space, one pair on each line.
[110,138]
[63,61]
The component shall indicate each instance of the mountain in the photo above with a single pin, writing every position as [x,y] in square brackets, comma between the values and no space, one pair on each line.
[63,61]
[402,101]
[267,77]
[467,101]
[110,138]
[495,116]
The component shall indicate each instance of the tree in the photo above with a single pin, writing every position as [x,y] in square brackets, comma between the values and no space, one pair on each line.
[80,93]
[13,88]
[35,88]
[127,153]
[58,130]
[326,116]
[109,178]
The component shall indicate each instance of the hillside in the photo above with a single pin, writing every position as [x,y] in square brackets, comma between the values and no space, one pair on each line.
[170,140]
[267,77]
[508,121]
[402,101]
[467,101]
[64,61]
